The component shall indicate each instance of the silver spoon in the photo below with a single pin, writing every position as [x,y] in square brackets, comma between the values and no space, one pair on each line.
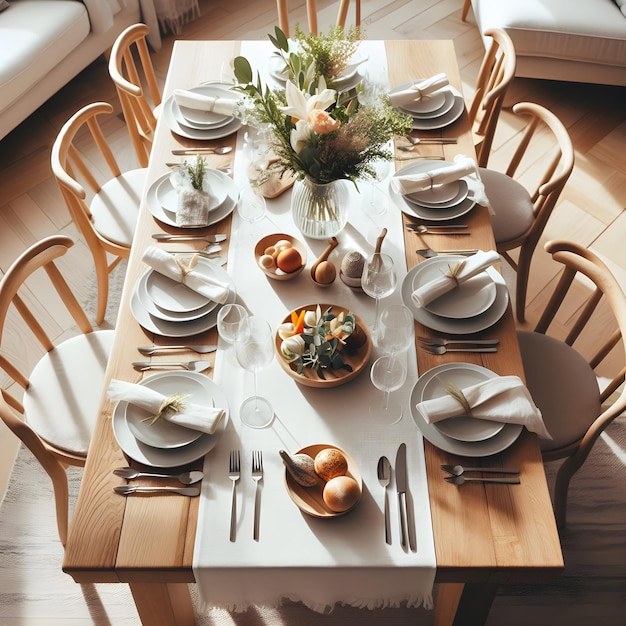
[186,478]
[417,140]
[384,478]
[200,349]
[444,349]
[192,366]
[457,470]
[423,229]
[461,480]
[186,151]
[216,238]
[428,253]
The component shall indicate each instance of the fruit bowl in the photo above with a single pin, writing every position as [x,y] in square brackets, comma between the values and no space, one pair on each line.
[355,354]
[309,499]
[269,241]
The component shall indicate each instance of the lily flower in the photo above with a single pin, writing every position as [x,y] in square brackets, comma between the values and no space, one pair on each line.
[299,106]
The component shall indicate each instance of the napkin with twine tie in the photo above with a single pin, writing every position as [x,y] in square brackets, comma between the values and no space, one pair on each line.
[172,267]
[418,90]
[457,273]
[175,409]
[502,399]
[222,105]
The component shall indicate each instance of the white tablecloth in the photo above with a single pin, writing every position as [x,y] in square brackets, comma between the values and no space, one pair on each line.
[316,561]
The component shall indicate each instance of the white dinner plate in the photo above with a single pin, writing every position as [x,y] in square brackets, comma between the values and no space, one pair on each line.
[458,373]
[462,326]
[440,196]
[425,105]
[441,121]
[204,119]
[168,196]
[472,297]
[204,391]
[215,215]
[429,213]
[447,102]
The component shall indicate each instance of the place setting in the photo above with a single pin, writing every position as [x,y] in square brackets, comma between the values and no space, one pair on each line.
[180,295]
[456,294]
[204,112]
[432,102]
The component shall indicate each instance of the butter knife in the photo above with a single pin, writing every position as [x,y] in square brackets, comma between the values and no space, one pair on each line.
[126,490]
[401,484]
[217,238]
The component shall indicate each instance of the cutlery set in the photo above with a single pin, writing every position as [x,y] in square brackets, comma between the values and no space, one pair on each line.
[186,478]
[457,475]
[441,345]
[191,366]
[234,474]
[428,253]
[200,349]
[439,229]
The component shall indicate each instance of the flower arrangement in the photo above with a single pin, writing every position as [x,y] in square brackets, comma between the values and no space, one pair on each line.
[314,339]
[318,132]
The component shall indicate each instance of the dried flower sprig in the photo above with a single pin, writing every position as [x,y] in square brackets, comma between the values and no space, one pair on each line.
[175,404]
[194,172]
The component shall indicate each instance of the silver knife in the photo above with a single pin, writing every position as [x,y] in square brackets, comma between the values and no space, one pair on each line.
[126,490]
[217,238]
[401,483]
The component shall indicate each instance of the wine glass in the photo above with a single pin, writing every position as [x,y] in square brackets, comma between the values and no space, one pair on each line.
[388,374]
[255,351]
[396,329]
[231,322]
[251,205]
[378,280]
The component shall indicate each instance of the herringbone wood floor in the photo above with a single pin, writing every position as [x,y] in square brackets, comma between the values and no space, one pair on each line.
[591,210]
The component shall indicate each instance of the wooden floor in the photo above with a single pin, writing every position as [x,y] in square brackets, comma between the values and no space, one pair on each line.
[591,210]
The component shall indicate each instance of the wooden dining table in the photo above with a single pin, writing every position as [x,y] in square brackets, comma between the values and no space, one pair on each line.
[484,536]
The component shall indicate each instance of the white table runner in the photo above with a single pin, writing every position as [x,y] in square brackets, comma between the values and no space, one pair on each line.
[316,561]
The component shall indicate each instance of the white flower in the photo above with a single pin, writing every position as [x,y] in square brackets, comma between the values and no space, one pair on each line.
[292,347]
[300,136]
[299,106]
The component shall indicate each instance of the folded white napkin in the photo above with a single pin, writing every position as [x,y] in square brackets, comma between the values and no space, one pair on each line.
[455,274]
[170,266]
[194,416]
[503,399]
[418,90]
[222,105]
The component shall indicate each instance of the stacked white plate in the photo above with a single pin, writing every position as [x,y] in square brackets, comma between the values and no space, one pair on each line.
[473,306]
[436,110]
[163,198]
[163,444]
[196,124]
[462,435]
[171,309]
[441,202]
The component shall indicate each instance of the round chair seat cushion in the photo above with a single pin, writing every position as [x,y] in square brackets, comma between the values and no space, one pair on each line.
[562,385]
[63,398]
[512,206]
[116,207]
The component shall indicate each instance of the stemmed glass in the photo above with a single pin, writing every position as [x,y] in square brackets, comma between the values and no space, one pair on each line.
[378,280]
[388,374]
[251,205]
[396,329]
[231,322]
[255,351]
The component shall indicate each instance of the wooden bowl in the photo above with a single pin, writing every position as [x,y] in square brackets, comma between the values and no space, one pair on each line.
[270,240]
[309,499]
[356,357]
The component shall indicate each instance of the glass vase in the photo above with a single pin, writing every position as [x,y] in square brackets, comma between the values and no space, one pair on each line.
[320,210]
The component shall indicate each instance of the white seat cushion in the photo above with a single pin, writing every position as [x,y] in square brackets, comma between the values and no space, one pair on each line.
[116,207]
[35,35]
[512,206]
[562,385]
[66,385]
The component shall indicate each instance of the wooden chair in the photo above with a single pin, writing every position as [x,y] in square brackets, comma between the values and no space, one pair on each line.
[521,209]
[466,7]
[61,394]
[106,217]
[496,73]
[132,72]
[311,11]
[564,380]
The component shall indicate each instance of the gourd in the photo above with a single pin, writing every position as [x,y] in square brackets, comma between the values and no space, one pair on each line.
[301,467]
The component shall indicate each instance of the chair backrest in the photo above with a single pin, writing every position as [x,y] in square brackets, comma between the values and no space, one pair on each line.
[132,72]
[311,11]
[601,297]
[496,73]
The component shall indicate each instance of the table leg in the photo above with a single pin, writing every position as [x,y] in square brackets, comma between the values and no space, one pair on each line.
[163,604]
[460,604]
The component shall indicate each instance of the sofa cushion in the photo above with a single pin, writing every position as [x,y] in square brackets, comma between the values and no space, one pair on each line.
[36,35]
[589,31]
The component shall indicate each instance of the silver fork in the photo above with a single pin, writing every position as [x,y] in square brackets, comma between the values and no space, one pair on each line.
[443,349]
[444,341]
[257,475]
[234,472]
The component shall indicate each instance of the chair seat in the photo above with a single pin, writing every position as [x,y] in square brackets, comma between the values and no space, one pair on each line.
[512,205]
[116,207]
[562,385]
[63,398]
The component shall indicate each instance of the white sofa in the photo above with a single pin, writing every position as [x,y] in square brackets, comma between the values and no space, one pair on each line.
[46,43]
[570,40]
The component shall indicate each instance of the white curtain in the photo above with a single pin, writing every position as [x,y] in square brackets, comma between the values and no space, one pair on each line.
[174,14]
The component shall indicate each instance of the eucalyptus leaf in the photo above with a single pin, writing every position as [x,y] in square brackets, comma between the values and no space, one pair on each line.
[243,70]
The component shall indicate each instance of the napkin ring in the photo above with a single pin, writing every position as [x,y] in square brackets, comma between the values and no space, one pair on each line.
[186,269]
[453,271]
[458,394]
